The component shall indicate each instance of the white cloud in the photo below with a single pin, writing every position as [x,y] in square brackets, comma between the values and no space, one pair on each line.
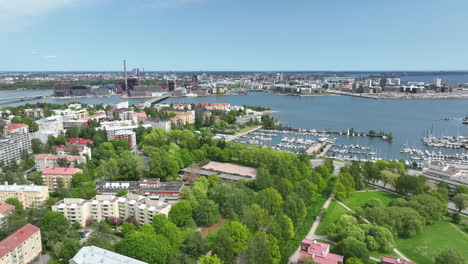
[50,57]
[16,14]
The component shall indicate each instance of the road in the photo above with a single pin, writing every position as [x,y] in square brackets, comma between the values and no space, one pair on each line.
[236,136]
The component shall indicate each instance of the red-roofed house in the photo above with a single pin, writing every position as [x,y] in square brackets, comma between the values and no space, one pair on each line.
[50,176]
[389,260]
[182,106]
[135,117]
[22,246]
[13,128]
[5,209]
[319,252]
[51,161]
[79,141]
[96,116]
[66,150]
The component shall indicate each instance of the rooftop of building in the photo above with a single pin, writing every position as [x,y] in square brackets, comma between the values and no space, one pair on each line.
[56,157]
[79,141]
[16,238]
[60,171]
[20,188]
[13,126]
[93,254]
[115,186]
[5,208]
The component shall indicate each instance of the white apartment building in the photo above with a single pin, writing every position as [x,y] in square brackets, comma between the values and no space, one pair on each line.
[93,254]
[12,145]
[51,123]
[28,195]
[101,207]
[157,123]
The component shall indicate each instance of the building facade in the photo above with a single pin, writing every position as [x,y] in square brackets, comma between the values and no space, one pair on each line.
[23,246]
[51,176]
[140,208]
[28,195]
[12,145]
[44,161]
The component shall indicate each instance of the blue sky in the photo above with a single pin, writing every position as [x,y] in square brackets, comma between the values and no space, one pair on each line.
[205,35]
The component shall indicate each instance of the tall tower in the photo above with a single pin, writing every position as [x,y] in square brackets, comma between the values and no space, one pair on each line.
[125,75]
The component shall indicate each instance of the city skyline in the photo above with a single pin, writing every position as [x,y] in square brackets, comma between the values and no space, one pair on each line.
[223,35]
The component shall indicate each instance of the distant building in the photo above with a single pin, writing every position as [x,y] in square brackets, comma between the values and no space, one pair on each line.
[64,150]
[28,195]
[44,161]
[319,252]
[22,246]
[13,145]
[137,117]
[34,113]
[389,260]
[93,255]
[79,141]
[101,207]
[182,106]
[438,82]
[14,128]
[147,187]
[52,123]
[51,176]
[453,174]
[158,123]
[128,135]
[214,106]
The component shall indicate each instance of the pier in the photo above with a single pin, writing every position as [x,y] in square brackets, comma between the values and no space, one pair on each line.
[157,99]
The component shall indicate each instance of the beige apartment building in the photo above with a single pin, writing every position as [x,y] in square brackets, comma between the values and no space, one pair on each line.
[141,208]
[28,195]
[22,246]
[51,176]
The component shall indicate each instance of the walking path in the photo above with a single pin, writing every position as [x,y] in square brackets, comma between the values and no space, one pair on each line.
[367,222]
[311,235]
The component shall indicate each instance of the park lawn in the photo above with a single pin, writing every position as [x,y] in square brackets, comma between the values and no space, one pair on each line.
[246,129]
[379,255]
[425,246]
[358,199]
[334,211]
[211,237]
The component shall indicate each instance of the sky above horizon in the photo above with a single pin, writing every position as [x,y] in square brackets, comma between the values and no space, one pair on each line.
[233,35]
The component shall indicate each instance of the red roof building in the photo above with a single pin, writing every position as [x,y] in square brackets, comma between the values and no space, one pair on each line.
[319,252]
[15,128]
[60,171]
[389,260]
[79,141]
[138,116]
[5,208]
[24,244]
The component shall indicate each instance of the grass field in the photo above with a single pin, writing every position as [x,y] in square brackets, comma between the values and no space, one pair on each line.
[358,199]
[210,238]
[334,211]
[425,246]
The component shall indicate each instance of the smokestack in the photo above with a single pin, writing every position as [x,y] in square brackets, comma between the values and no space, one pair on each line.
[125,75]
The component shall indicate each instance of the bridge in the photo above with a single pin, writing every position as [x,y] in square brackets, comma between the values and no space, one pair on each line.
[157,99]
[20,99]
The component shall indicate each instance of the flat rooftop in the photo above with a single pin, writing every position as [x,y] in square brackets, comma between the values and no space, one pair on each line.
[231,169]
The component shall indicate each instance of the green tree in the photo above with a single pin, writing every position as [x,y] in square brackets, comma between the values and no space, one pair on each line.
[429,207]
[461,201]
[209,259]
[206,213]
[16,203]
[263,248]
[181,213]
[223,246]
[351,247]
[127,228]
[295,208]
[63,163]
[461,189]
[353,260]
[254,217]
[54,221]
[121,193]
[171,232]
[449,256]
[146,247]
[239,234]
[69,249]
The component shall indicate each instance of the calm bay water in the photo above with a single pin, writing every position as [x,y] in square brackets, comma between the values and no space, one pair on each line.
[408,120]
